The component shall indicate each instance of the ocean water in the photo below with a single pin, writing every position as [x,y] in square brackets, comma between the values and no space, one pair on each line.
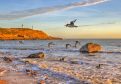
[17,49]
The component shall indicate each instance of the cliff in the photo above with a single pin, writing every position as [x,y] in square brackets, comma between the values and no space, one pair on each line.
[24,34]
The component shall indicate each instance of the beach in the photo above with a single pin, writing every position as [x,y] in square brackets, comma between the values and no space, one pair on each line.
[60,42]
[76,68]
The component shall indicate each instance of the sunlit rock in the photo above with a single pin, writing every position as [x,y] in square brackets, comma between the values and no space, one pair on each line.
[90,48]
[2,72]
[37,55]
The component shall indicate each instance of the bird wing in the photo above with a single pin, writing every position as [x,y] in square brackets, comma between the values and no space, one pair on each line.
[72,22]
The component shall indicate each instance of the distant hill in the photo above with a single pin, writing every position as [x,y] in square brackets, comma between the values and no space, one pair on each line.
[24,34]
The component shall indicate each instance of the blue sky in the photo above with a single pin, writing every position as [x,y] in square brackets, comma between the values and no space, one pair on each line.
[99,20]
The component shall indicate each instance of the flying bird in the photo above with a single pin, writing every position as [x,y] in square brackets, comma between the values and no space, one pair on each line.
[71,25]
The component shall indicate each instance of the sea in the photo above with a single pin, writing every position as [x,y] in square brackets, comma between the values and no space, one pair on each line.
[26,47]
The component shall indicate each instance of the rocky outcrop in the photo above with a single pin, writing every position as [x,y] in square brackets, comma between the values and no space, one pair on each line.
[37,55]
[90,48]
[24,34]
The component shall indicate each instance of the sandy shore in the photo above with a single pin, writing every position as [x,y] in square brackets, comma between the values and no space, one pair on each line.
[53,71]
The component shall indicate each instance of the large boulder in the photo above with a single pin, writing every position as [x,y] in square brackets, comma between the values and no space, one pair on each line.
[37,55]
[90,48]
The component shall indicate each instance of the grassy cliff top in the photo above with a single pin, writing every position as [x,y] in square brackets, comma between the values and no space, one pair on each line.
[24,34]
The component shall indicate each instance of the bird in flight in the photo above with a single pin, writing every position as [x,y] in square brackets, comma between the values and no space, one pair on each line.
[71,25]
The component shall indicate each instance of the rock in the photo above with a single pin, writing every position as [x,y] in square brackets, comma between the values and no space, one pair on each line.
[7,59]
[90,48]
[108,81]
[31,72]
[26,62]
[42,82]
[62,58]
[74,62]
[37,55]
[45,77]
[44,66]
[3,82]
[2,72]
[96,81]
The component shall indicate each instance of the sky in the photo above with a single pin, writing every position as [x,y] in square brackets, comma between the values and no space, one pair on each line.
[95,18]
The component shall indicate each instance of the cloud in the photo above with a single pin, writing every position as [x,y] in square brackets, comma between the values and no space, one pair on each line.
[30,12]
[106,23]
